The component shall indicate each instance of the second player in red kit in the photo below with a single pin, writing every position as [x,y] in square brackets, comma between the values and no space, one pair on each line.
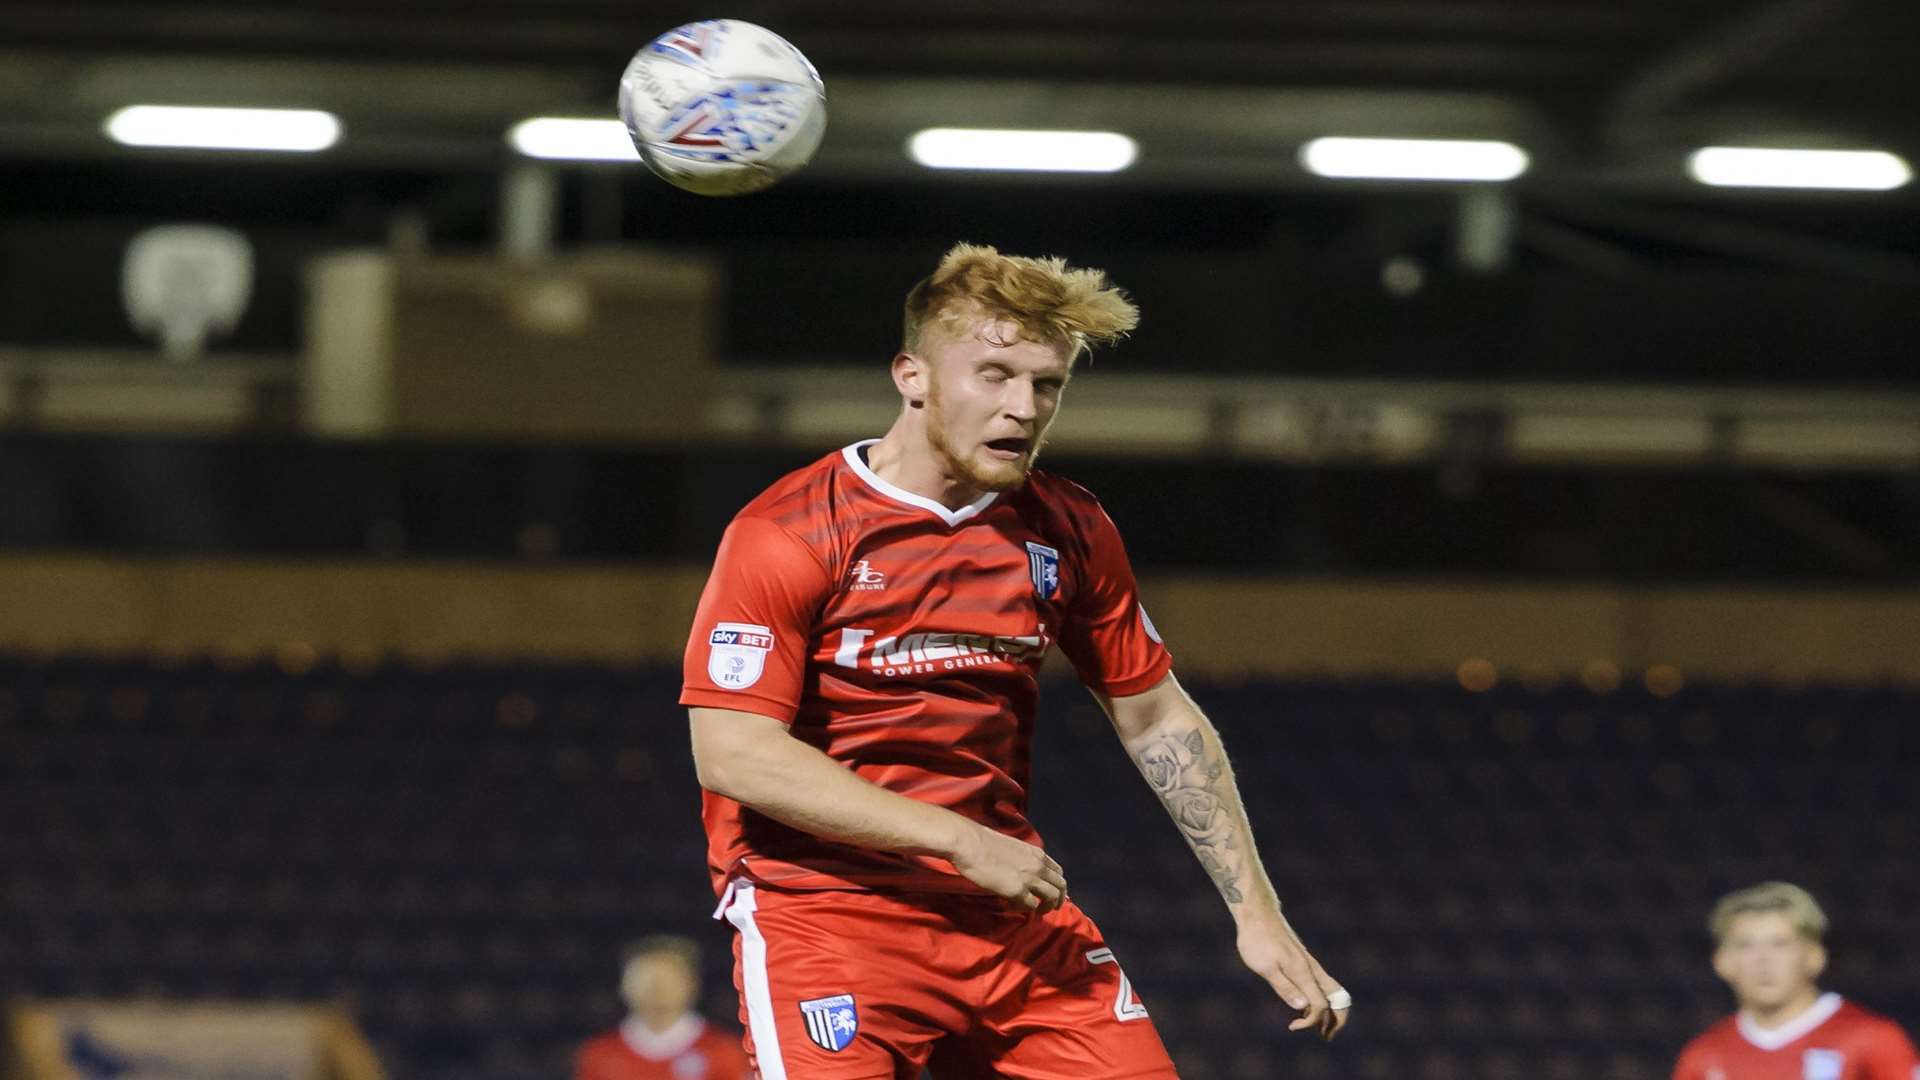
[863,679]
[1768,949]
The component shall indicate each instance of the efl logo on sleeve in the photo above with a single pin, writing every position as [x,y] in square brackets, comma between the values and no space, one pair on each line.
[737,654]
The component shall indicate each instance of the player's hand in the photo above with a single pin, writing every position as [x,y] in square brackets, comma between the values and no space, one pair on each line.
[1013,869]
[1274,952]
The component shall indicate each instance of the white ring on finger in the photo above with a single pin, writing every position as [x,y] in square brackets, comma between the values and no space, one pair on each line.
[1339,1001]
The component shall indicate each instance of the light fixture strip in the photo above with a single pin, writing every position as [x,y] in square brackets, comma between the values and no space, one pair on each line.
[190,127]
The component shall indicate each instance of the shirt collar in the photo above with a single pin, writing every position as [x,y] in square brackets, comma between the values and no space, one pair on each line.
[858,463]
[1793,1030]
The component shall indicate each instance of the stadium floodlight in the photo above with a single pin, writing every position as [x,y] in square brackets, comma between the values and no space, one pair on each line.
[1840,170]
[1025,151]
[196,128]
[566,138]
[1344,157]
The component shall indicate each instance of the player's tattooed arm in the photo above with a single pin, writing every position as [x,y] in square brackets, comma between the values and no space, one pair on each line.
[1189,771]
[1179,753]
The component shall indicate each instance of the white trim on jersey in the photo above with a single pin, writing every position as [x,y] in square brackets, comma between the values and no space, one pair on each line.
[899,494]
[753,973]
[1818,1013]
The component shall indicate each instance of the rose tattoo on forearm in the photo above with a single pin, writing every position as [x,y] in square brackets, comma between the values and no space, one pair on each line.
[1187,775]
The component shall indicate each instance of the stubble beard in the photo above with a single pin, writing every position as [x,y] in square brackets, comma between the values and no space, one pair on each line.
[983,475]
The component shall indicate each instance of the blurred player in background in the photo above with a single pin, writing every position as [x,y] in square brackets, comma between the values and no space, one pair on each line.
[1769,952]
[662,1038]
[863,679]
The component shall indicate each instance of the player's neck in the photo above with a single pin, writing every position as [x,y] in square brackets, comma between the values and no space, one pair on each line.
[904,458]
[657,1022]
[1785,1013]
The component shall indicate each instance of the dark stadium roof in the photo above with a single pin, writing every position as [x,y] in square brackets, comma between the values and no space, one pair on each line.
[1608,92]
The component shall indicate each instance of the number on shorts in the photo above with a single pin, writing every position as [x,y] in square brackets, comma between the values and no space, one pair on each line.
[1125,1005]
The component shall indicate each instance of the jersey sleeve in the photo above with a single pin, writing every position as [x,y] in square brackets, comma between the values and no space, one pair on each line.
[753,629]
[1113,645]
[1890,1055]
[1688,1066]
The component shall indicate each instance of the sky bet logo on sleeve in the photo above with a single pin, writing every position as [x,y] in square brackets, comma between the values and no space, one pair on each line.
[737,654]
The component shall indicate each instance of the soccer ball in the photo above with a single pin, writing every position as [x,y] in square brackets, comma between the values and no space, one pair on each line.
[723,107]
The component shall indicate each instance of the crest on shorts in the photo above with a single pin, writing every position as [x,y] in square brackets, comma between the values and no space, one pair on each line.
[1043,565]
[737,654]
[832,1022]
[1823,1065]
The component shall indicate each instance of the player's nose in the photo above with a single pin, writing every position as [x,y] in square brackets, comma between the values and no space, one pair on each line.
[1020,400]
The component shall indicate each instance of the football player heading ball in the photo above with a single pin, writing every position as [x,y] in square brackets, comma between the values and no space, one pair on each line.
[863,677]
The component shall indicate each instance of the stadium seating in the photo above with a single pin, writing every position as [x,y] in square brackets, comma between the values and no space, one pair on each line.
[1512,882]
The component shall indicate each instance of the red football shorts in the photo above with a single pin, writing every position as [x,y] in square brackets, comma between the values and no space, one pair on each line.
[857,985]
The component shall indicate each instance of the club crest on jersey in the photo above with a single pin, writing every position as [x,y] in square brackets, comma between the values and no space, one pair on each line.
[1823,1065]
[1043,565]
[832,1022]
[737,654]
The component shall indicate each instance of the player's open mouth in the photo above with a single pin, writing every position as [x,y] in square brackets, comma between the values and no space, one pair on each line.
[1008,449]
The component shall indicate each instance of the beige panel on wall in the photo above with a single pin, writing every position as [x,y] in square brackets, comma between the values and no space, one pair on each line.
[1217,627]
[1725,632]
[1232,627]
[597,347]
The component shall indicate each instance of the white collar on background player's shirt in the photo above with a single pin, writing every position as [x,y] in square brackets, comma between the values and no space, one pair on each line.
[662,1045]
[1818,1013]
[899,494]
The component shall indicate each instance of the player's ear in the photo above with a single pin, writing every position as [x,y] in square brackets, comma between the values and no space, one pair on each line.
[1722,965]
[1816,960]
[911,376]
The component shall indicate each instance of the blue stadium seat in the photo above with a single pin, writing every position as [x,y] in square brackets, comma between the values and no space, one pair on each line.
[1513,882]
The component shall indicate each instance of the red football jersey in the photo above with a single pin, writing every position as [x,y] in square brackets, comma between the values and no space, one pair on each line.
[689,1050]
[1832,1040]
[904,639]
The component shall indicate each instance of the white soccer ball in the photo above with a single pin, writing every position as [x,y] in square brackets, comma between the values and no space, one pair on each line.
[723,107]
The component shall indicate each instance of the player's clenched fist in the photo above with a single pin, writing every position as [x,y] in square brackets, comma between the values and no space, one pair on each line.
[1012,868]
